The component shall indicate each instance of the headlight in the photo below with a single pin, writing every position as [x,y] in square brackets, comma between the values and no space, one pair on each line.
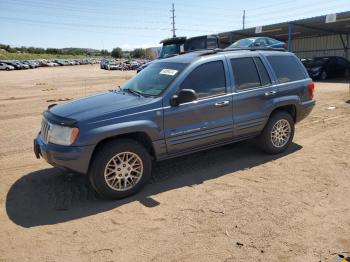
[62,135]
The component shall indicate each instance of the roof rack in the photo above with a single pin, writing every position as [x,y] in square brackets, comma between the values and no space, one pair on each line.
[218,50]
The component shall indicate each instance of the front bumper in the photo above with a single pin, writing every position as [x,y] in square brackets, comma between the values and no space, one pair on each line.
[73,158]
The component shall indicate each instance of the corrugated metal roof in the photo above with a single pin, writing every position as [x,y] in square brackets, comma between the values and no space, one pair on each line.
[302,28]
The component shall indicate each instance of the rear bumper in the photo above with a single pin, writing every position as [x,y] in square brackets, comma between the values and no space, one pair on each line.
[71,158]
[305,109]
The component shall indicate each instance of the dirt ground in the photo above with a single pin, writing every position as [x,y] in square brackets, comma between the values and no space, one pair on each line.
[233,203]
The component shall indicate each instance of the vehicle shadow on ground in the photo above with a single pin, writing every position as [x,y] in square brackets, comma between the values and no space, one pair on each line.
[51,196]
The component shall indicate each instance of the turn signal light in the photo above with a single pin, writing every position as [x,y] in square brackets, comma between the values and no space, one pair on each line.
[74,134]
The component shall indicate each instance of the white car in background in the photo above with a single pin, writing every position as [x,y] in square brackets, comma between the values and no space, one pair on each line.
[6,67]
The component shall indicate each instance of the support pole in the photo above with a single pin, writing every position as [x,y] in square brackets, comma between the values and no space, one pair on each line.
[173,20]
[243,22]
[231,38]
[290,37]
[347,46]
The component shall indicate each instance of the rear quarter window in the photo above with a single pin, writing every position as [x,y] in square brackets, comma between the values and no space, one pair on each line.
[287,68]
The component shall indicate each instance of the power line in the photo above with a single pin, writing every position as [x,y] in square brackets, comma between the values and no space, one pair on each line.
[82,25]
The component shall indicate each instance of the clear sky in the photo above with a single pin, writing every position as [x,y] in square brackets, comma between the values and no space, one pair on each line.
[140,23]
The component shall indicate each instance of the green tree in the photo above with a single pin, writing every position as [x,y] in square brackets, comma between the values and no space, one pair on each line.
[139,53]
[104,52]
[117,52]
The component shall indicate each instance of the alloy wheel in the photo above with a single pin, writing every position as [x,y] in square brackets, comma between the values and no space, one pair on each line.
[280,133]
[123,171]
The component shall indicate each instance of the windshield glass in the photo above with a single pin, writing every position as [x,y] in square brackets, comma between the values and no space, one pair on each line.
[243,43]
[154,79]
[168,50]
[317,61]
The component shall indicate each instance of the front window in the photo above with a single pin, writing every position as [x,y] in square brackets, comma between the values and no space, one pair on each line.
[207,80]
[247,42]
[154,79]
[196,44]
[168,50]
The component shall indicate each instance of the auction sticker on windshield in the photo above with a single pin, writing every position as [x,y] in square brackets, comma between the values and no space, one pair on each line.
[169,72]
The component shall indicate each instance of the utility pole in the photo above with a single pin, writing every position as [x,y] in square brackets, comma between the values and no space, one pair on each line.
[243,22]
[173,20]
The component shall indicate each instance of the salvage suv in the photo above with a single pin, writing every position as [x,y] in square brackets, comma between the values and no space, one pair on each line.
[177,106]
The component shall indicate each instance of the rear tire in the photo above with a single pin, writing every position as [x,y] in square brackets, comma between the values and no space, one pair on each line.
[120,168]
[278,133]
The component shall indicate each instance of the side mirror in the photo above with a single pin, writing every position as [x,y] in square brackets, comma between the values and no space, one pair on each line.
[184,96]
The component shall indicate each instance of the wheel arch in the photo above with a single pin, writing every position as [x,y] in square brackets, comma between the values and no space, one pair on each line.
[289,108]
[141,137]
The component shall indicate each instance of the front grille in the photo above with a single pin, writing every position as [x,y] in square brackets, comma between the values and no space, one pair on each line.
[45,127]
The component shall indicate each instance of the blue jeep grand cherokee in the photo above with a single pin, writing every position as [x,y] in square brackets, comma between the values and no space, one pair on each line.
[177,106]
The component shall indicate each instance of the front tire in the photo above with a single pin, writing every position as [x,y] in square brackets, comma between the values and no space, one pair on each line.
[120,168]
[278,133]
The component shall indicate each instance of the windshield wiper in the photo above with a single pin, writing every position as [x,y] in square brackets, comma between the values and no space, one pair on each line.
[132,91]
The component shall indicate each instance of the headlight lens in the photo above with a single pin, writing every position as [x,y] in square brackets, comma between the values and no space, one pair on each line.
[62,135]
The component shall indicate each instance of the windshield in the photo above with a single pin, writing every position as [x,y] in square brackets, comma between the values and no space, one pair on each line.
[242,43]
[168,50]
[317,61]
[154,79]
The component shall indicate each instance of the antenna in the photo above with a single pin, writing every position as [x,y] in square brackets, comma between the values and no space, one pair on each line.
[173,19]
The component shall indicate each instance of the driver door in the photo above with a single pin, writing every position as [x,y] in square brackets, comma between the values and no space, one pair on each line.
[206,120]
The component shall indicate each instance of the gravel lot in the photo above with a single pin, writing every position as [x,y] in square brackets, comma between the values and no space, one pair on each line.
[232,203]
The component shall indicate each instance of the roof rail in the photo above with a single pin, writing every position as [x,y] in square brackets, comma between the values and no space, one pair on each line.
[204,52]
[217,50]
[256,49]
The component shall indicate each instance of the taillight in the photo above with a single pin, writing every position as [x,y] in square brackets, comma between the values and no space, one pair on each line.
[311,88]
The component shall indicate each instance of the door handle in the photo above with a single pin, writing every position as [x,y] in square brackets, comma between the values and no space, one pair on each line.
[222,103]
[270,93]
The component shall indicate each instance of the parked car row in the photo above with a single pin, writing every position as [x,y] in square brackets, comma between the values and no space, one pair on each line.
[30,64]
[122,64]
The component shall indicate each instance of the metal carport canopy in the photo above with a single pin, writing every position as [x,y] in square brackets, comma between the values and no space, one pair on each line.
[309,27]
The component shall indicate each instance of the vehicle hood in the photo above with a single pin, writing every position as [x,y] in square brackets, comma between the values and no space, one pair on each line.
[97,106]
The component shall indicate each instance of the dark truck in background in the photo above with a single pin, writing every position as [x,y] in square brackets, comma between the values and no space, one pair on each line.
[178,45]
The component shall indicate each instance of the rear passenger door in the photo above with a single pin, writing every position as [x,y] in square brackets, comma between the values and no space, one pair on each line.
[253,95]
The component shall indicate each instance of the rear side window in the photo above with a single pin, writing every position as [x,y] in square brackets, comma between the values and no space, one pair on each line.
[286,68]
[245,73]
[207,79]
